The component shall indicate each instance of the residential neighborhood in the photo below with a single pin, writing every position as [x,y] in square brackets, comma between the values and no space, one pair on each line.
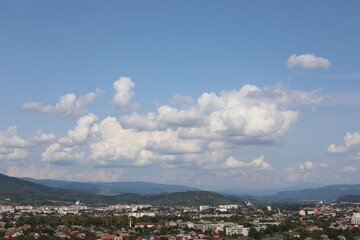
[311,220]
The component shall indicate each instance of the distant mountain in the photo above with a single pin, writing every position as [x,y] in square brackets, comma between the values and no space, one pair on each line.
[114,188]
[327,193]
[268,191]
[18,191]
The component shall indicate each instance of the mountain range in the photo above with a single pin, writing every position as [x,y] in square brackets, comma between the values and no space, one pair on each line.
[114,188]
[49,191]
[18,191]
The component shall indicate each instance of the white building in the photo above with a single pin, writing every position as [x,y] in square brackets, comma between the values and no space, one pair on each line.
[355,219]
[238,230]
[141,214]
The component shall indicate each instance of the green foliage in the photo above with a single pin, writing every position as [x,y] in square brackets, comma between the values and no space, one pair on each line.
[25,192]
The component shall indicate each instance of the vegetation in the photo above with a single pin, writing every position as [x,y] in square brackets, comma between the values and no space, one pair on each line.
[24,192]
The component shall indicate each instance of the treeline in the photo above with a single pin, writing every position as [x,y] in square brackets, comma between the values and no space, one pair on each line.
[69,220]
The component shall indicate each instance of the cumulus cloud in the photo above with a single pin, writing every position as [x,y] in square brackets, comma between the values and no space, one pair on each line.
[258,163]
[41,137]
[66,149]
[10,138]
[251,114]
[307,61]
[13,146]
[69,105]
[124,93]
[60,155]
[81,131]
[199,135]
[351,143]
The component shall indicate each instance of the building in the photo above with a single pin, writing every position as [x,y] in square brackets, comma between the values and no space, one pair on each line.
[237,230]
[355,219]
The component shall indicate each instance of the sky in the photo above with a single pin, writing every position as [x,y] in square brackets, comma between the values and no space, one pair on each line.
[208,94]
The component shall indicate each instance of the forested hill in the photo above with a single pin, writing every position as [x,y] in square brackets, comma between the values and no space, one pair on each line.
[349,198]
[18,191]
[114,188]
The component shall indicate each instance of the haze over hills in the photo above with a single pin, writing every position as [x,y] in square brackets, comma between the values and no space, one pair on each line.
[18,191]
[327,193]
[114,188]
[268,191]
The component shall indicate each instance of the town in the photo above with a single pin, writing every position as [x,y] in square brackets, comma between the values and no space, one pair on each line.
[272,221]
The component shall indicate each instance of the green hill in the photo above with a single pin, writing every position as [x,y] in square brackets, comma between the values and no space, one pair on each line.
[113,188]
[349,198]
[327,193]
[17,191]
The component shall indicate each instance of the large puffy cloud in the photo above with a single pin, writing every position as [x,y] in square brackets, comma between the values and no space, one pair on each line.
[81,131]
[199,135]
[66,149]
[124,93]
[250,114]
[307,61]
[69,105]
[61,155]
[351,143]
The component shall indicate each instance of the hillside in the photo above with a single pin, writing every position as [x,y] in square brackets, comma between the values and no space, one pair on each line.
[349,198]
[114,188]
[18,191]
[327,193]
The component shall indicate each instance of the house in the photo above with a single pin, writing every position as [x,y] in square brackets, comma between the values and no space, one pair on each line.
[144,224]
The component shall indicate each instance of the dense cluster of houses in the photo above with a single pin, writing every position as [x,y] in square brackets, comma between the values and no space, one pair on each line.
[202,221]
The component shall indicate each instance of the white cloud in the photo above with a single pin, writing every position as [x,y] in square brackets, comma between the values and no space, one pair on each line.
[13,153]
[66,149]
[250,114]
[13,146]
[9,138]
[41,137]
[69,105]
[352,143]
[124,93]
[302,171]
[81,131]
[307,61]
[348,169]
[306,166]
[58,154]
[258,163]
[199,135]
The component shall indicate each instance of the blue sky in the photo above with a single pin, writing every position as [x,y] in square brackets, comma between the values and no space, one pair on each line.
[210,94]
